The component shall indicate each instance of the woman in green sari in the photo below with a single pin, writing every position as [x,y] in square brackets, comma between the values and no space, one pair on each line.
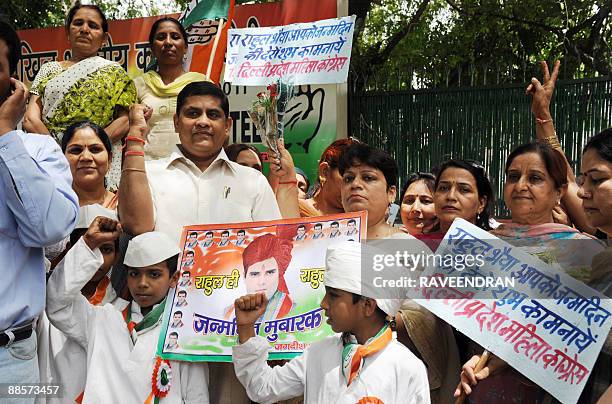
[86,87]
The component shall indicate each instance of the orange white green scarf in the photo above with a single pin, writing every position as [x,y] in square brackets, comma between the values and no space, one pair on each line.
[353,354]
[162,372]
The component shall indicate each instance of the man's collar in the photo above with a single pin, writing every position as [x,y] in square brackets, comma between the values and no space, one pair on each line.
[177,154]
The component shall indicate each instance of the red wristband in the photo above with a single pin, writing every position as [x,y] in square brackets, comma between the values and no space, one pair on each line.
[134,139]
[294,182]
[134,153]
[542,121]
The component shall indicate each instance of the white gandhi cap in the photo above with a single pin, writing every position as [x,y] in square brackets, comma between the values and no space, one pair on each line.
[149,249]
[88,213]
[343,270]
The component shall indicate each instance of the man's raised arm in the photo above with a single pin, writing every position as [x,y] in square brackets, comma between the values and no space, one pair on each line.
[136,210]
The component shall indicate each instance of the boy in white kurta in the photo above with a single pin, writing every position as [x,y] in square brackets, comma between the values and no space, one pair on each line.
[364,365]
[121,346]
[61,360]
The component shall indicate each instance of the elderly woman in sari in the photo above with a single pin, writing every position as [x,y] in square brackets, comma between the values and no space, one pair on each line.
[536,182]
[86,87]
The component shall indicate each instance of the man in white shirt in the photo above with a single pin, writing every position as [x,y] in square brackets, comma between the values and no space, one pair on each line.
[197,184]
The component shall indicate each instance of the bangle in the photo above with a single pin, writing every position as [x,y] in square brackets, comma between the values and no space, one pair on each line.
[294,182]
[140,170]
[134,153]
[540,121]
[134,139]
[551,141]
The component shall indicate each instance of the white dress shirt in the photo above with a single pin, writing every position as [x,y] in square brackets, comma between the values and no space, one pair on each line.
[225,192]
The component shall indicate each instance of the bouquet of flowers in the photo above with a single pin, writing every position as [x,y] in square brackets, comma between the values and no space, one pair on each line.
[267,113]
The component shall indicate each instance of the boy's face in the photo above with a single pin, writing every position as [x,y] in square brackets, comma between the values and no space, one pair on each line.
[342,314]
[109,253]
[149,285]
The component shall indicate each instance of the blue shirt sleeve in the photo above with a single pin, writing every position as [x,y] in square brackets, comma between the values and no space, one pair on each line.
[41,200]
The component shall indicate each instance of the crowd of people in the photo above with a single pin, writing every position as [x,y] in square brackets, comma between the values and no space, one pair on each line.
[97,187]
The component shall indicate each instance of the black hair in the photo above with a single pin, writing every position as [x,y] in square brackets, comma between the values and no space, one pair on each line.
[173,333]
[361,153]
[186,272]
[209,233]
[483,185]
[193,233]
[602,144]
[318,224]
[241,231]
[78,233]
[158,22]
[334,223]
[379,311]
[77,6]
[172,264]
[178,312]
[13,43]
[202,88]
[553,160]
[302,227]
[428,178]
[225,232]
[351,221]
[98,130]
[189,252]
[182,291]
[235,149]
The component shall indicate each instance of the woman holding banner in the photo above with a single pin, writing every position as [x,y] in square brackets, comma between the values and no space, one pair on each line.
[537,180]
[159,86]
[86,87]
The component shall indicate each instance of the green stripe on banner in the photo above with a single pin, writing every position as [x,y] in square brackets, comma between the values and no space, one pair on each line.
[206,10]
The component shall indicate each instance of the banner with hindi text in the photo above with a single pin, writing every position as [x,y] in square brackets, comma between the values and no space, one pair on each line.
[219,263]
[542,322]
[313,53]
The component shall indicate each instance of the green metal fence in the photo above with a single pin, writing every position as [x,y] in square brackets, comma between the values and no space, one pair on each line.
[421,128]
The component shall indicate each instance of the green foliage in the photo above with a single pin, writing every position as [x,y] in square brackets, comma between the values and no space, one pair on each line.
[483,41]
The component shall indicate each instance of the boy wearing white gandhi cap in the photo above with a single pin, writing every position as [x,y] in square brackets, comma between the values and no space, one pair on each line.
[121,346]
[61,360]
[364,365]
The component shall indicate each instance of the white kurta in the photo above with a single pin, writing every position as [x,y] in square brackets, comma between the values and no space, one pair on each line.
[394,374]
[118,370]
[62,360]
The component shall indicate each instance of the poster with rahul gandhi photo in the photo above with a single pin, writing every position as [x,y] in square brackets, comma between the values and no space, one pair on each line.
[284,259]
